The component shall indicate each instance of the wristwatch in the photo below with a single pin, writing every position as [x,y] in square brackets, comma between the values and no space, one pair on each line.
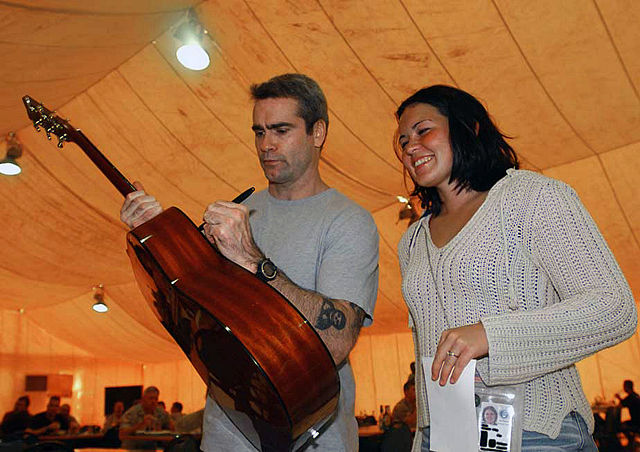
[267,271]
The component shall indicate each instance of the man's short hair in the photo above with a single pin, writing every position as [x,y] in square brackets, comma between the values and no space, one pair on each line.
[149,389]
[408,385]
[54,397]
[177,406]
[25,399]
[312,105]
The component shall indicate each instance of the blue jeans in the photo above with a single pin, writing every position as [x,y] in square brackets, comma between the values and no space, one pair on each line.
[574,436]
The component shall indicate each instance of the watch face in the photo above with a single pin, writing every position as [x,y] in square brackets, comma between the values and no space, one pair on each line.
[267,270]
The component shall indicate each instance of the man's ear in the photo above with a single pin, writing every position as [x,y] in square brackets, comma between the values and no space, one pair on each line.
[319,133]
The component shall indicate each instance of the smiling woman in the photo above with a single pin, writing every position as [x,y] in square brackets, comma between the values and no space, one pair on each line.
[485,270]
[456,136]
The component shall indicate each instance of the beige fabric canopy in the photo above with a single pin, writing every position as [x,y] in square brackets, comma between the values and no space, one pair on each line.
[561,78]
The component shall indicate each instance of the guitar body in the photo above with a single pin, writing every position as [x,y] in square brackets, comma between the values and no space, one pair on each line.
[265,365]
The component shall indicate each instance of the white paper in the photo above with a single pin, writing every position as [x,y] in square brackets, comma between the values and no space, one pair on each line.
[452,411]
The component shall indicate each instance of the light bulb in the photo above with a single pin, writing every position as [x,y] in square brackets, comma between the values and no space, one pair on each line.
[9,168]
[100,307]
[193,56]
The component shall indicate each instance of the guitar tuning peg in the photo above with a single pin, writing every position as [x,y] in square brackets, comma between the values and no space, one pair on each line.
[48,132]
[61,140]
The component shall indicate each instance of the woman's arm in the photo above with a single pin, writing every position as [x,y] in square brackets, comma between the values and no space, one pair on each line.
[596,309]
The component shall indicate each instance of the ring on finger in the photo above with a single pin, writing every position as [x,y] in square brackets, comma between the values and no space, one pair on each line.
[453,355]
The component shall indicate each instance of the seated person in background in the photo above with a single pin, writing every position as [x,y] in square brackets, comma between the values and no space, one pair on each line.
[412,375]
[632,403]
[162,406]
[49,421]
[65,412]
[403,419]
[405,410]
[15,422]
[176,411]
[147,416]
[113,420]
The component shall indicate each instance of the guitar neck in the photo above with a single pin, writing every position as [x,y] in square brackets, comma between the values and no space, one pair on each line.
[54,125]
[104,165]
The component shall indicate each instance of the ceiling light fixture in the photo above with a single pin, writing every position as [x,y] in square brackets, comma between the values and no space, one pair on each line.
[9,166]
[191,54]
[98,297]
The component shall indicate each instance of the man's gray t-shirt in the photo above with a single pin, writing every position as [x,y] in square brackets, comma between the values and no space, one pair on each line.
[328,244]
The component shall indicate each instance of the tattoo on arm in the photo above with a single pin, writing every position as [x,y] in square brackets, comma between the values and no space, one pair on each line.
[330,316]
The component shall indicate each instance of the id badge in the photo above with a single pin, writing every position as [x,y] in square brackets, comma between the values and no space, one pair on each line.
[499,410]
[495,423]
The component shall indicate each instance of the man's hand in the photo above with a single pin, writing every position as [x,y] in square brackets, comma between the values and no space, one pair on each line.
[227,226]
[147,420]
[456,348]
[139,207]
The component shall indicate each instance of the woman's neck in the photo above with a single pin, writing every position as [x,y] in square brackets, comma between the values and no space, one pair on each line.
[454,200]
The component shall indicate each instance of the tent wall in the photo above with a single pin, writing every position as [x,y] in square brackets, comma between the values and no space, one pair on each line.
[27,349]
[380,364]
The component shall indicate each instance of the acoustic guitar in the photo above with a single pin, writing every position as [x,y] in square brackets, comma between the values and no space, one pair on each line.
[263,362]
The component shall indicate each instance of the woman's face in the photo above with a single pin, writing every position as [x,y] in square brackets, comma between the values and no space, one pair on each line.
[490,417]
[426,148]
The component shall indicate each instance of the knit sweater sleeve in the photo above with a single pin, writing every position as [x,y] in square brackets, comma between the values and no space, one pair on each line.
[593,307]
[403,247]
[404,252]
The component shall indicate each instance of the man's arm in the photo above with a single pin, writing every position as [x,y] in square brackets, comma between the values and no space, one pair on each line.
[74,425]
[337,322]
[127,428]
[53,427]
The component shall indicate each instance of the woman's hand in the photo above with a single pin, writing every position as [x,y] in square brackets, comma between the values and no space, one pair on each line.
[456,348]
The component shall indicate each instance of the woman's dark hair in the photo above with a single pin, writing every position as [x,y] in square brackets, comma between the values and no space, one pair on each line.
[481,156]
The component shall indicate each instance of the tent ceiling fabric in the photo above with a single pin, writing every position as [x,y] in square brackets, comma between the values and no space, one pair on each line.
[562,78]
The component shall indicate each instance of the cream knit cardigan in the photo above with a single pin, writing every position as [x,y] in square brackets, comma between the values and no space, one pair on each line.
[532,266]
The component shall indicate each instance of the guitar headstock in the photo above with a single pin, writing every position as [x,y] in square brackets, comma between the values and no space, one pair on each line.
[49,121]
